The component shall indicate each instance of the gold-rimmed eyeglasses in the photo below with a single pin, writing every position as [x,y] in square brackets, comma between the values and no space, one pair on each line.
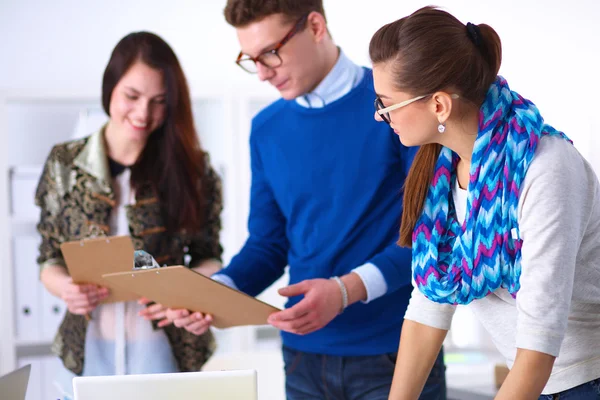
[269,58]
[384,112]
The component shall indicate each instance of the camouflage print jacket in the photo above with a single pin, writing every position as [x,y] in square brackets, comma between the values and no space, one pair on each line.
[76,198]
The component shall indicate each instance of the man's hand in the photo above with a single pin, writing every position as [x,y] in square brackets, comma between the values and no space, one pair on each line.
[322,302]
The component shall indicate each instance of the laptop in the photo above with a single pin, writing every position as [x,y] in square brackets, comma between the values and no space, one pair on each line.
[214,385]
[13,386]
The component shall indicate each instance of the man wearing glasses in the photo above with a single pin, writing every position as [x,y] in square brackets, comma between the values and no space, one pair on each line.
[325,200]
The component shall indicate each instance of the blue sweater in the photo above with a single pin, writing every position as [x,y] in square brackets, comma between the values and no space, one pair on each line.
[325,199]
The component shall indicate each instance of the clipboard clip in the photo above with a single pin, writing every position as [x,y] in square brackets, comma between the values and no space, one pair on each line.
[94,232]
[143,260]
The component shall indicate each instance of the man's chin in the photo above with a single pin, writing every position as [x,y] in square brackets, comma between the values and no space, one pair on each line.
[289,93]
[286,90]
[287,96]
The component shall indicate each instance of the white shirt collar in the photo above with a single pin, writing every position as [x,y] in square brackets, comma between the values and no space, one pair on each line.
[343,77]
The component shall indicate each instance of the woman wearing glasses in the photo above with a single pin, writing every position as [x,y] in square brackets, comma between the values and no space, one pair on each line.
[502,213]
[143,175]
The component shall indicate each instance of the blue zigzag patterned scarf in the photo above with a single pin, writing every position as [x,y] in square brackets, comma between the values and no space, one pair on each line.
[454,263]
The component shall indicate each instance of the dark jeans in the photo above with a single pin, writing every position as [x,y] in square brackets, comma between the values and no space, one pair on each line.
[587,391]
[316,376]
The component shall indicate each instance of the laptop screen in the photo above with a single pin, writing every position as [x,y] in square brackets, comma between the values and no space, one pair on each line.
[13,386]
[214,385]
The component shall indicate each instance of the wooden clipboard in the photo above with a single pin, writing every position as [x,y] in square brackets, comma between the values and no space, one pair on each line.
[87,260]
[181,287]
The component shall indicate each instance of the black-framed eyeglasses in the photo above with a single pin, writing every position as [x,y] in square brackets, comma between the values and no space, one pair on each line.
[270,58]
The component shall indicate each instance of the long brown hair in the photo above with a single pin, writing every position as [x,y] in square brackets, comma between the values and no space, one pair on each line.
[431,50]
[172,160]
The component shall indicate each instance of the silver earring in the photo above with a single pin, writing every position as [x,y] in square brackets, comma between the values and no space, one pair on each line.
[441,127]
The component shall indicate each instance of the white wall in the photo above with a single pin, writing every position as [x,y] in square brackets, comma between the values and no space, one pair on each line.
[551,51]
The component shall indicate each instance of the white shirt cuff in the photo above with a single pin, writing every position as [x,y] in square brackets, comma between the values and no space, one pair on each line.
[225,280]
[373,280]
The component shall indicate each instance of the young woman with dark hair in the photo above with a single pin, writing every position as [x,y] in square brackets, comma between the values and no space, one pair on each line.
[144,175]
